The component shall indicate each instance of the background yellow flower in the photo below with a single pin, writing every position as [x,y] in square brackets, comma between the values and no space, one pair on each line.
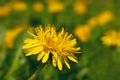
[92,22]
[19,6]
[111,38]
[105,17]
[83,32]
[38,6]
[11,34]
[5,10]
[80,7]
[56,6]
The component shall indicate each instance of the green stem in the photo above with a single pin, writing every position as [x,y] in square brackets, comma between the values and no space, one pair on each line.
[13,66]
[36,73]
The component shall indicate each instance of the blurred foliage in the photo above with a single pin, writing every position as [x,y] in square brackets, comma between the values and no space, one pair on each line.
[88,20]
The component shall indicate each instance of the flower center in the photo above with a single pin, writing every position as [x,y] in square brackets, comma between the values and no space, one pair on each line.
[50,44]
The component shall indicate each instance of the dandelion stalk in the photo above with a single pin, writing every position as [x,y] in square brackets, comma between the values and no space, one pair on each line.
[13,66]
[37,72]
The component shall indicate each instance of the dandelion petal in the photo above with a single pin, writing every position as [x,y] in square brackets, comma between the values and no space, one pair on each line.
[45,58]
[53,61]
[37,49]
[59,64]
[72,59]
[40,55]
[67,64]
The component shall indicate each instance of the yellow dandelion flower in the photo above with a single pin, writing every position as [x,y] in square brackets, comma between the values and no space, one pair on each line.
[111,38]
[82,32]
[5,10]
[80,8]
[105,17]
[19,6]
[2,52]
[38,6]
[54,7]
[11,34]
[92,22]
[44,42]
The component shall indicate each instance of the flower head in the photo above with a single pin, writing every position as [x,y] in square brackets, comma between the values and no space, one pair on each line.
[80,8]
[82,32]
[105,17]
[38,6]
[2,52]
[43,42]
[55,7]
[111,38]
[92,22]
[5,10]
[11,34]
[19,6]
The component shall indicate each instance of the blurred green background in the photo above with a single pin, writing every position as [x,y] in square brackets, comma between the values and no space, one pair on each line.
[88,20]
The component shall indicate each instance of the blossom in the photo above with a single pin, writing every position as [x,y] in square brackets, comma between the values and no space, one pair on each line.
[5,10]
[54,7]
[92,22]
[46,42]
[111,38]
[38,6]
[19,6]
[82,32]
[10,35]
[2,52]
[80,8]
[105,17]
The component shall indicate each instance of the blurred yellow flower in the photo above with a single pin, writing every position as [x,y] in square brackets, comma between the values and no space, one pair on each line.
[82,32]
[111,38]
[80,7]
[1,52]
[44,42]
[38,6]
[19,6]
[92,22]
[105,17]
[54,7]
[11,34]
[5,10]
